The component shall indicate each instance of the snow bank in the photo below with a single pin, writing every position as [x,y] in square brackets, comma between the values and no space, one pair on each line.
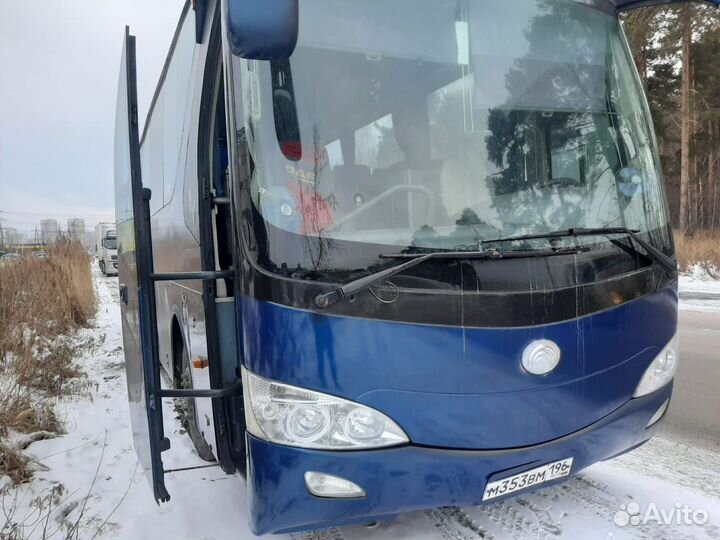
[700,289]
[699,278]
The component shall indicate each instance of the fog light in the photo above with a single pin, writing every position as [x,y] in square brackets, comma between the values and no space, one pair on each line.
[658,414]
[326,485]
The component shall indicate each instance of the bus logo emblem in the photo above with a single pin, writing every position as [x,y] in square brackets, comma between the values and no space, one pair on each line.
[541,357]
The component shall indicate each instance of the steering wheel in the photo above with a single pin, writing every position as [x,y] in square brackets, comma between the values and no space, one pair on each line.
[384,195]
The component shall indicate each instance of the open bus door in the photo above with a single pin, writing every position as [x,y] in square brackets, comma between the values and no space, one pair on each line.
[137,290]
[137,280]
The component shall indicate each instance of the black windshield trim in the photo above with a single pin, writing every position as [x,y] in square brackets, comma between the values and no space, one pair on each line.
[472,308]
[657,256]
[325,300]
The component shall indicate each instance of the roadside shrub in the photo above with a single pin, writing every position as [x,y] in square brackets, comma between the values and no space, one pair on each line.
[72,264]
[20,413]
[699,249]
[14,464]
[44,298]
[42,301]
[50,371]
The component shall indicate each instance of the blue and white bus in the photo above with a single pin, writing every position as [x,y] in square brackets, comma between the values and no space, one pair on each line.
[394,255]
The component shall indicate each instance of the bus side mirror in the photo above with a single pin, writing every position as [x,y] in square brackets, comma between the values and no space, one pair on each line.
[262,30]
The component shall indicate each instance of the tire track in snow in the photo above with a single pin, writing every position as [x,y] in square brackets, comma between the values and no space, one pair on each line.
[324,534]
[519,519]
[454,523]
[676,460]
[596,499]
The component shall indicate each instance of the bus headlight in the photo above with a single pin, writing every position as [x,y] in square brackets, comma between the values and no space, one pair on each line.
[661,371]
[284,414]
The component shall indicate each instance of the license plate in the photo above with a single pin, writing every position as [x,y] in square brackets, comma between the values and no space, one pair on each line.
[539,475]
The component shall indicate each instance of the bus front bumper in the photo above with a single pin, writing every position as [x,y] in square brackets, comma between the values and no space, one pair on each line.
[407,478]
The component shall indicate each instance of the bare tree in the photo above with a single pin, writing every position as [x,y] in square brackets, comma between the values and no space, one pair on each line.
[685,116]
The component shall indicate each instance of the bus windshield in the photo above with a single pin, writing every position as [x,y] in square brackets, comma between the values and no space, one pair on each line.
[441,123]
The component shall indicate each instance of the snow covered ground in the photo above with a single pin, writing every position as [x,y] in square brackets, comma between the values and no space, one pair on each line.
[94,473]
[700,291]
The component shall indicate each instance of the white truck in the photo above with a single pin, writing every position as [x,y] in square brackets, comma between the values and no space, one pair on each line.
[106,248]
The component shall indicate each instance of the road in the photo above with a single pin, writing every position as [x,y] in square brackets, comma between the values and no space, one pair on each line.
[700,295]
[695,408]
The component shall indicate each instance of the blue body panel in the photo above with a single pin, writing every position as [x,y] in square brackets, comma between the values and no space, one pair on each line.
[451,387]
[471,412]
[408,478]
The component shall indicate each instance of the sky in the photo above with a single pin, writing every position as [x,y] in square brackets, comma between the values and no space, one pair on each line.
[59,66]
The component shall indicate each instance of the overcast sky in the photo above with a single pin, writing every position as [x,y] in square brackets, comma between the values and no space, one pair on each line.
[59,66]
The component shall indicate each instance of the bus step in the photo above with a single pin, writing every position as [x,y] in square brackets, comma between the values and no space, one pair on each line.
[193,276]
[229,391]
[183,469]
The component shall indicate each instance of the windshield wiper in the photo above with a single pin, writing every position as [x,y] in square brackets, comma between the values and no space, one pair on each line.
[653,253]
[415,259]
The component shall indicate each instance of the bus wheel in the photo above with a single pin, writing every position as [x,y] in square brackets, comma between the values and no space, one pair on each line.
[102,268]
[186,407]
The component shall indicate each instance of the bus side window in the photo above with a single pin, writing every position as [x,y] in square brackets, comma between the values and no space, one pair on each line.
[176,90]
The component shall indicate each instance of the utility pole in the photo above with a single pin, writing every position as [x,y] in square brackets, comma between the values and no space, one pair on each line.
[2,232]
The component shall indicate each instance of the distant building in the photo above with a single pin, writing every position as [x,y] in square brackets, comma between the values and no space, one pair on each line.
[49,231]
[76,229]
[89,242]
[11,236]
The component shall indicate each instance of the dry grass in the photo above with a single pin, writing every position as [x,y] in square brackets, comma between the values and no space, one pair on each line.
[14,464]
[701,248]
[51,371]
[44,297]
[20,413]
[42,301]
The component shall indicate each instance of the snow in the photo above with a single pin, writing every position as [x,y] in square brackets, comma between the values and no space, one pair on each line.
[700,289]
[94,473]
[698,278]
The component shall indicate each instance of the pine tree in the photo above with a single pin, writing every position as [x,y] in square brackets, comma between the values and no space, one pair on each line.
[676,51]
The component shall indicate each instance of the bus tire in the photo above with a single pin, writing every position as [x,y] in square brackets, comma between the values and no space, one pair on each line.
[102,268]
[186,407]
